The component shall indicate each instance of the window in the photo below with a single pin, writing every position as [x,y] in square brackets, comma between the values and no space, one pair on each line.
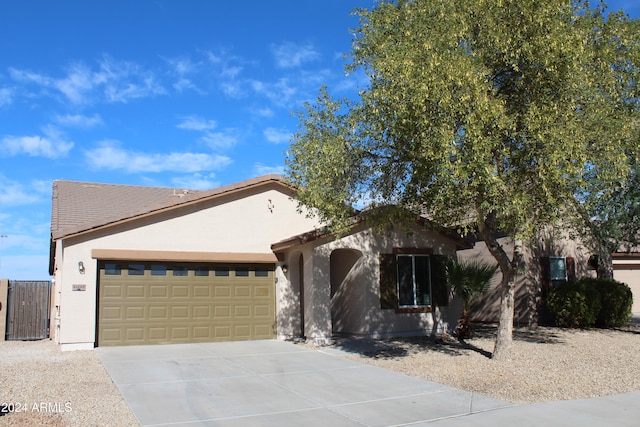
[261,272]
[158,270]
[201,271]
[180,270]
[558,270]
[242,272]
[222,271]
[112,269]
[413,278]
[136,270]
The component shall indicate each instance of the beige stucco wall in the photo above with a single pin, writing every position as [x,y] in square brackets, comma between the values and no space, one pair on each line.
[351,304]
[628,271]
[247,222]
[529,278]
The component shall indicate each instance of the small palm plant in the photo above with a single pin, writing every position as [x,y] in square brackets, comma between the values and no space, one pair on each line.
[467,279]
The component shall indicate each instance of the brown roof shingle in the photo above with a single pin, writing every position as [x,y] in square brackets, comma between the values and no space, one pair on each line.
[82,206]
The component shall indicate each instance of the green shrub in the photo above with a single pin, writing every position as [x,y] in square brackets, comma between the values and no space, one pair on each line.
[604,303]
[616,301]
[573,305]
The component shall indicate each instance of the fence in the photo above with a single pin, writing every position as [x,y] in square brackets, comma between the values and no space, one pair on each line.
[28,305]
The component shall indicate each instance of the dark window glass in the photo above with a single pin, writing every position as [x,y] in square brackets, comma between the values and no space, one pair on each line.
[112,269]
[423,290]
[405,280]
[242,272]
[136,269]
[558,270]
[414,283]
[261,272]
[180,270]
[201,271]
[222,271]
[158,270]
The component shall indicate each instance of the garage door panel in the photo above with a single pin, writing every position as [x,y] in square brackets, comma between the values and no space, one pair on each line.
[158,312]
[179,312]
[158,291]
[202,291]
[151,309]
[135,291]
[222,291]
[201,312]
[180,291]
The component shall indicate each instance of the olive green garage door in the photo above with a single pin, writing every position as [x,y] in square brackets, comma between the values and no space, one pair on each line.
[157,303]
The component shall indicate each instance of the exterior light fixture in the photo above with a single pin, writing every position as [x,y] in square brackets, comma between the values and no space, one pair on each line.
[285,268]
[81,267]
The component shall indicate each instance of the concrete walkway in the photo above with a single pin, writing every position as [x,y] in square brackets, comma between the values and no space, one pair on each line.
[275,383]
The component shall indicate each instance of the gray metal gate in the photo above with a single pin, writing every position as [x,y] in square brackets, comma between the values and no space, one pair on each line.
[28,305]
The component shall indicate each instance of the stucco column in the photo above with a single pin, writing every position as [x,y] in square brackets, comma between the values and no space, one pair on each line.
[317,299]
[4,290]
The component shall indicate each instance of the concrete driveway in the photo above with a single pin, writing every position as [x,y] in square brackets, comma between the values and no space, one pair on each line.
[275,383]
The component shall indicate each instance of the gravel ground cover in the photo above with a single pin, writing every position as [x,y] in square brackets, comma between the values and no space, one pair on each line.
[55,388]
[546,364]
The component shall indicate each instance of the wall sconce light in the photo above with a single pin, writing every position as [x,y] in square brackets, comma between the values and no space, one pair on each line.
[81,267]
[285,268]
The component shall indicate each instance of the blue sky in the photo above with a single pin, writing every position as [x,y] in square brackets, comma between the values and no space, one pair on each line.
[186,94]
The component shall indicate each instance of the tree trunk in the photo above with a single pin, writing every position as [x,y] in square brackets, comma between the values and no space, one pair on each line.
[605,266]
[504,336]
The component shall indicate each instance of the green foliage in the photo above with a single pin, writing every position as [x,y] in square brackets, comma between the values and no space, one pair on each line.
[574,305]
[474,107]
[604,303]
[485,115]
[469,278]
[616,302]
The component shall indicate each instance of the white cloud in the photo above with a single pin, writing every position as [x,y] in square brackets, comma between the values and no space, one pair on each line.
[111,81]
[79,120]
[197,123]
[260,169]
[182,68]
[6,96]
[220,140]
[13,193]
[109,155]
[196,182]
[289,55]
[277,136]
[78,82]
[263,112]
[279,93]
[52,145]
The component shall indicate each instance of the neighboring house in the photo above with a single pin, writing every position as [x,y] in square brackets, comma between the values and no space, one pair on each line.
[626,269]
[548,261]
[147,265]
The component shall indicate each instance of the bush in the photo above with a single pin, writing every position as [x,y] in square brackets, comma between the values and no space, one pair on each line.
[616,302]
[604,303]
[573,305]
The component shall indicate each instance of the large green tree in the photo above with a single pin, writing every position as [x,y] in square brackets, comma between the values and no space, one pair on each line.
[608,219]
[485,115]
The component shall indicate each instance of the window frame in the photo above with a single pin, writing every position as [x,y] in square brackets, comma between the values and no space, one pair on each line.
[556,281]
[415,285]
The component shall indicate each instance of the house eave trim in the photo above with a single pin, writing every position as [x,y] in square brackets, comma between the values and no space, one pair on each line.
[182,256]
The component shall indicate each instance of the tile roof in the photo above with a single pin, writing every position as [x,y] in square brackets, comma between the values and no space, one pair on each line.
[83,206]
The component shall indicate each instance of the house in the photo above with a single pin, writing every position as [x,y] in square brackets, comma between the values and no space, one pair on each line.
[551,258]
[146,265]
